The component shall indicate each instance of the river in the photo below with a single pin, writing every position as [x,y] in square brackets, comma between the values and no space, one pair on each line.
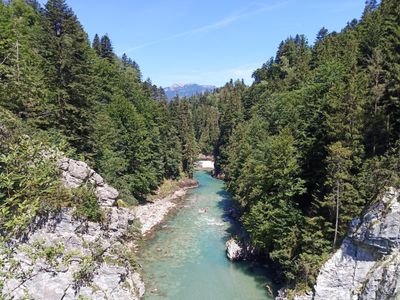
[186,258]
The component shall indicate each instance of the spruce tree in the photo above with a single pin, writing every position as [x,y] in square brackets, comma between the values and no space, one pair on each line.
[322,34]
[96,44]
[68,71]
[23,90]
[390,41]
[342,198]
[106,49]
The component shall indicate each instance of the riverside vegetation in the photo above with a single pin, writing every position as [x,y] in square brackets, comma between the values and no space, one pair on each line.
[313,142]
[57,91]
[307,147]
[61,95]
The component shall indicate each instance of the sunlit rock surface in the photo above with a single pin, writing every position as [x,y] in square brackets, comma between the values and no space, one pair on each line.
[367,265]
[67,258]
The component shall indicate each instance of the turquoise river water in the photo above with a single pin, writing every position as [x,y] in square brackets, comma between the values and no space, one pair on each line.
[186,258]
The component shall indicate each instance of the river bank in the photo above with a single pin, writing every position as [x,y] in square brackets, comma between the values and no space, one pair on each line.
[154,212]
[151,214]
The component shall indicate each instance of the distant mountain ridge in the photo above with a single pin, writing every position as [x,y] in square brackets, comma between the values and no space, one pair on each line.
[187,90]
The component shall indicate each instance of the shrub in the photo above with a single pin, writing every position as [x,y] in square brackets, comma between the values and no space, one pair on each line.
[29,185]
[87,206]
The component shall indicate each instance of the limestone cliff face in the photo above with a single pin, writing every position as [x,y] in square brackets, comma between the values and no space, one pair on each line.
[65,258]
[367,265]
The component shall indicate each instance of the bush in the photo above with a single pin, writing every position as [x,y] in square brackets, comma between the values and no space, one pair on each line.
[29,185]
[87,206]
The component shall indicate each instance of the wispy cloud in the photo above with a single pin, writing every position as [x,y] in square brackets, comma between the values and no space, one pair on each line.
[246,12]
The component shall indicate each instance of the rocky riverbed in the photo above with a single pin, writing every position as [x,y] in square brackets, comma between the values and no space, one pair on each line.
[153,213]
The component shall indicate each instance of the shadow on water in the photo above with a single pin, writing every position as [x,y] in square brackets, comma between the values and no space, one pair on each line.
[260,273]
[230,211]
[260,270]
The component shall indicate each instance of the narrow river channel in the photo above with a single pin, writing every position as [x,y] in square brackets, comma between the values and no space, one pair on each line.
[186,258]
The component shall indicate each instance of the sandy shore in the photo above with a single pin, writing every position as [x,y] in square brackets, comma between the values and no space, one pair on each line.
[152,214]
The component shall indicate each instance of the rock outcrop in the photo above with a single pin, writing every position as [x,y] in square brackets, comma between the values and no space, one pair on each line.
[205,165]
[76,173]
[234,249]
[367,265]
[239,249]
[66,258]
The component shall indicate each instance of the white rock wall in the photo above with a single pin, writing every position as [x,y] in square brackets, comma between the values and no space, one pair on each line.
[61,250]
[367,265]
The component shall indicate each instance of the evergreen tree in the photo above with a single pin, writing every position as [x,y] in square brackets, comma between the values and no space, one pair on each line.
[131,63]
[322,34]
[96,44]
[376,131]
[22,90]
[66,50]
[171,147]
[183,120]
[342,198]
[390,41]
[370,6]
[106,49]
[231,113]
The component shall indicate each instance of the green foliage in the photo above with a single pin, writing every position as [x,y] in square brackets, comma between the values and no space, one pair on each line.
[168,187]
[342,198]
[313,141]
[86,203]
[52,78]
[39,250]
[206,121]
[96,44]
[266,187]
[65,48]
[182,120]
[106,49]
[307,147]
[22,87]
[85,273]
[133,232]
[29,185]
[125,256]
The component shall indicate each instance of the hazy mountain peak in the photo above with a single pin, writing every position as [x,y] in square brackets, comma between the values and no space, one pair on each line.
[186,90]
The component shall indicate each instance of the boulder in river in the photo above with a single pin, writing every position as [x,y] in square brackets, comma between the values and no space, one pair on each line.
[234,249]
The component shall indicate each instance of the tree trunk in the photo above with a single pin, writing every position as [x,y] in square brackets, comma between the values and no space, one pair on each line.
[337,211]
[17,55]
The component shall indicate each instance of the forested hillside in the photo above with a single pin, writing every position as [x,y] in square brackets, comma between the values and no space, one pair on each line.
[312,141]
[60,91]
[303,150]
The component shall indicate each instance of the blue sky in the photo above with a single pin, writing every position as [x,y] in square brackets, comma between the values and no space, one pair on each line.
[207,41]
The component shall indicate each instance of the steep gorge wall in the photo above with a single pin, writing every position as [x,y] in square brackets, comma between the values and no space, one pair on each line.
[67,258]
[367,265]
